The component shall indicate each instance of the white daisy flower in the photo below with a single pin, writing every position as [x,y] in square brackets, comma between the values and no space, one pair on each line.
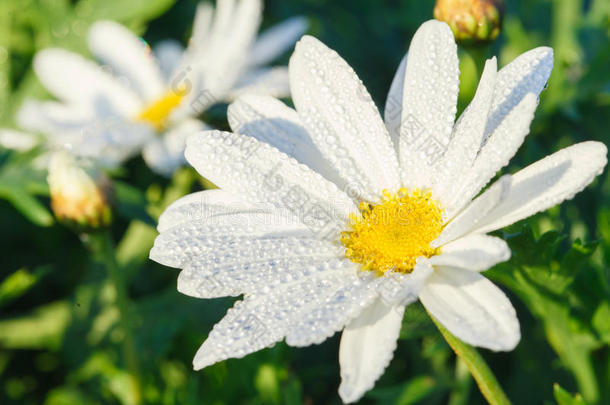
[330,219]
[143,99]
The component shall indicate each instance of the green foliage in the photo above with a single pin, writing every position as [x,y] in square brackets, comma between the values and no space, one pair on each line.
[20,182]
[557,289]
[61,339]
[18,283]
[43,328]
[563,397]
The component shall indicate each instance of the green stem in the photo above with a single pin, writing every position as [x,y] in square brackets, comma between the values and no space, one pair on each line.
[486,380]
[104,251]
[479,54]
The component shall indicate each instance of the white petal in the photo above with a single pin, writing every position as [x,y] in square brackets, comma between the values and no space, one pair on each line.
[223,232]
[367,346]
[276,40]
[199,205]
[255,266]
[243,28]
[17,140]
[261,320]
[220,61]
[269,120]
[164,155]
[472,308]
[473,252]
[203,23]
[266,81]
[254,169]
[528,73]
[169,54]
[429,102]
[115,139]
[74,79]
[515,99]
[99,135]
[128,56]
[466,141]
[243,330]
[52,117]
[496,153]
[330,314]
[548,182]
[392,113]
[468,219]
[232,222]
[224,16]
[216,55]
[342,119]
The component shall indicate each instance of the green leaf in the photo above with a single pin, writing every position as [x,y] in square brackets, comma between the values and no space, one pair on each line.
[121,10]
[5,65]
[43,328]
[28,205]
[411,392]
[115,380]
[416,390]
[267,383]
[67,396]
[134,248]
[18,283]
[601,321]
[545,280]
[563,397]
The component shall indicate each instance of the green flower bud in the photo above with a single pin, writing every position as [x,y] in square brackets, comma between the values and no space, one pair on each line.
[80,193]
[471,20]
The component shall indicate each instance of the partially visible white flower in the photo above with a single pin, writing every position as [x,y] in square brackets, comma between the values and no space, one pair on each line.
[80,194]
[142,99]
[330,219]
[17,140]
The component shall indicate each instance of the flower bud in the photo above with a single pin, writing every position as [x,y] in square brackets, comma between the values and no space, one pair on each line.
[80,194]
[471,20]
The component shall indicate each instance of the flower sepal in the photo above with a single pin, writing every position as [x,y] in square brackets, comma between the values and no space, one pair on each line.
[471,20]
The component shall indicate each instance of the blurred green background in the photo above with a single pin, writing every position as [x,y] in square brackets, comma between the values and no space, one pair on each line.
[59,334]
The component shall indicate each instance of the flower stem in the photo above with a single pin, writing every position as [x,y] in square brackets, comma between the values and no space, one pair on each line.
[486,380]
[104,252]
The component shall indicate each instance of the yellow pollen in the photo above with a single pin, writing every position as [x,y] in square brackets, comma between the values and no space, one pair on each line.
[157,112]
[391,235]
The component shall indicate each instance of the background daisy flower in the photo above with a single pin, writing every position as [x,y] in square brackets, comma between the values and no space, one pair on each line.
[330,218]
[149,101]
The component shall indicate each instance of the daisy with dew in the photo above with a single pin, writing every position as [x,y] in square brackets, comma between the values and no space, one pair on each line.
[149,100]
[330,218]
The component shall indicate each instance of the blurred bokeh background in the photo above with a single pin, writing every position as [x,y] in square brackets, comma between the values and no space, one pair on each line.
[59,335]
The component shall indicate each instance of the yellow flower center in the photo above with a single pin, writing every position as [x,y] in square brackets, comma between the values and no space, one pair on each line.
[157,112]
[391,235]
